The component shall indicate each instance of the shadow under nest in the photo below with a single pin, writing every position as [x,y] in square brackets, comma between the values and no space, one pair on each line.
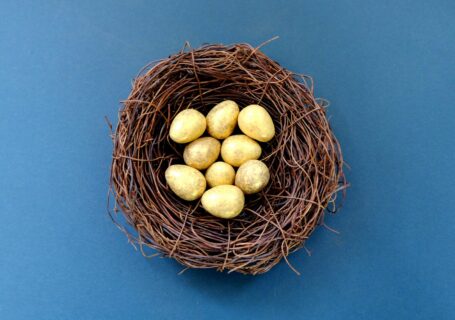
[304,158]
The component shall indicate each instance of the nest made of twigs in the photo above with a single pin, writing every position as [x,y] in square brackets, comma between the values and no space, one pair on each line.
[304,159]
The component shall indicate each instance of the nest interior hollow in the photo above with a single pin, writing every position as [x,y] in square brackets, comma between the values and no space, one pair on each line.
[304,159]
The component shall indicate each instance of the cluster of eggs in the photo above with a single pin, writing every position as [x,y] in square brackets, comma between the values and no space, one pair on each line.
[225,198]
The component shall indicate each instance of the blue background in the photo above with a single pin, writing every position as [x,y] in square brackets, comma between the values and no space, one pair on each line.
[386,66]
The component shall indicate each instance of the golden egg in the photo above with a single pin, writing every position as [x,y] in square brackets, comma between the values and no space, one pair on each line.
[186,182]
[202,152]
[225,201]
[220,173]
[255,122]
[239,148]
[222,119]
[252,176]
[188,125]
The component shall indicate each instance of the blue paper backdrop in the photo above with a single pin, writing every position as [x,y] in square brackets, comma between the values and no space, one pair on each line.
[386,66]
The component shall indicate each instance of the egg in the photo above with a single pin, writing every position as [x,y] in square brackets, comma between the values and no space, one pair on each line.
[222,119]
[239,148]
[255,122]
[202,152]
[252,176]
[220,173]
[188,125]
[186,182]
[225,201]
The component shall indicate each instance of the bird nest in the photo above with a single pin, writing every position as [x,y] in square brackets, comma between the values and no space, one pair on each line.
[304,158]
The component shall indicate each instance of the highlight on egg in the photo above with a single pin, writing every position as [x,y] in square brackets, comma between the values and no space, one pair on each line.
[220,173]
[188,125]
[239,148]
[256,122]
[252,176]
[222,119]
[225,201]
[202,152]
[186,182]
